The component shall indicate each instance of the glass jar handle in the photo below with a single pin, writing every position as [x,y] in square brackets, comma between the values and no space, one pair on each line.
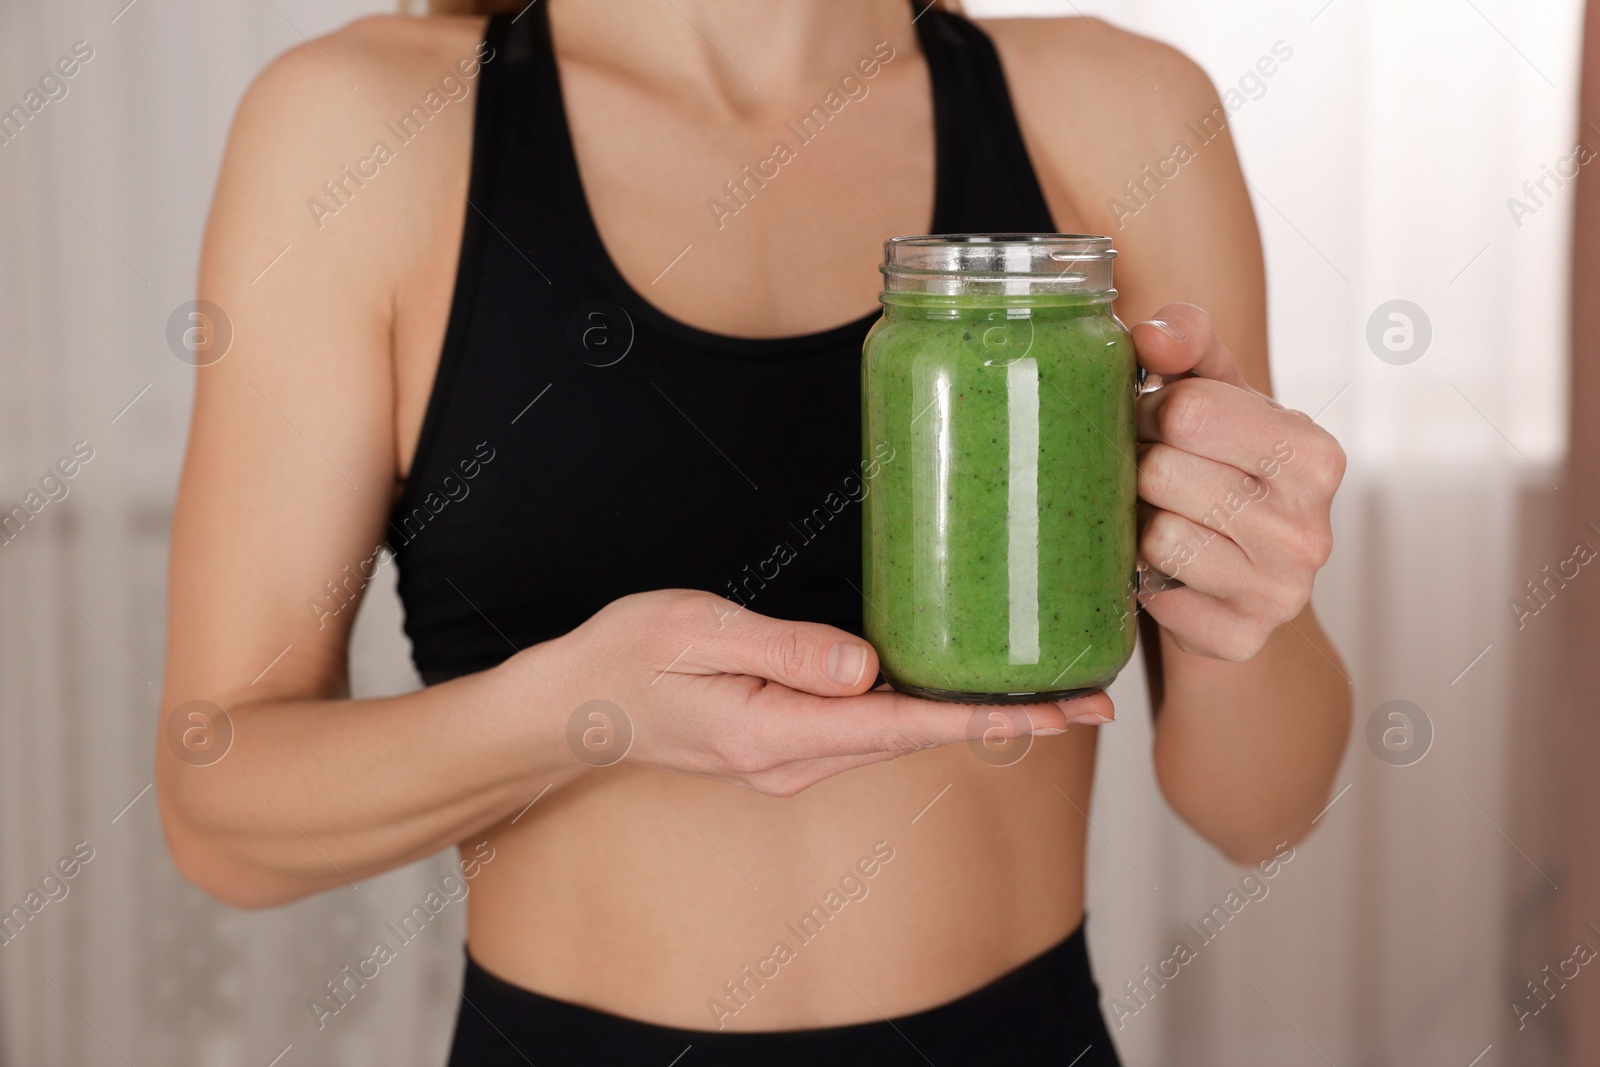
[1146,578]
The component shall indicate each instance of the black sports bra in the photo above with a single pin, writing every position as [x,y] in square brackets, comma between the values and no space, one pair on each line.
[580,444]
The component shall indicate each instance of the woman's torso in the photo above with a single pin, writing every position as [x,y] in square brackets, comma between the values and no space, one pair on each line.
[632,890]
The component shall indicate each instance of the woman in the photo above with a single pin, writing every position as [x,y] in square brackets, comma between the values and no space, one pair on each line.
[552,320]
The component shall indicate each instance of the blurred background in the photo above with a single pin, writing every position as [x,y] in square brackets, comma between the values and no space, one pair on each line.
[1416,171]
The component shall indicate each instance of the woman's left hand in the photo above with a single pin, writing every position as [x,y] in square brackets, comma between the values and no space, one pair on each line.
[1235,494]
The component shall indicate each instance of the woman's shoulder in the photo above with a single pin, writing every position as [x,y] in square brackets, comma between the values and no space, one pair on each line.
[373,68]
[344,139]
[387,51]
[1098,102]
[1099,56]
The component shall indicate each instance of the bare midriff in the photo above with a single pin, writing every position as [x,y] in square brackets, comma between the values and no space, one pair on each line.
[646,894]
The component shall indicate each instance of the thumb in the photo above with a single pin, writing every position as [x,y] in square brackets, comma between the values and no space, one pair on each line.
[811,657]
[1179,340]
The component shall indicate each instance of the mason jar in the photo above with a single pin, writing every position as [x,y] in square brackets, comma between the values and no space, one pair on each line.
[998,425]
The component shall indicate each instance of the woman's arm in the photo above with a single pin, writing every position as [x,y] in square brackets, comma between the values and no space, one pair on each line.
[290,470]
[1252,701]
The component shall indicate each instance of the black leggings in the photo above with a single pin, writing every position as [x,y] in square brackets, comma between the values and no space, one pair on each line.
[1043,1012]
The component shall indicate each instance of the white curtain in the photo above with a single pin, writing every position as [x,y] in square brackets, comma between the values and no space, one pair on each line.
[1382,155]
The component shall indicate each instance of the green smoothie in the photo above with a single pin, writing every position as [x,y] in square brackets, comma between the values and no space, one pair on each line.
[999,533]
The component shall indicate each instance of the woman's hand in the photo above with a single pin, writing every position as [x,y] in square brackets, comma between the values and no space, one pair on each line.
[714,690]
[1235,491]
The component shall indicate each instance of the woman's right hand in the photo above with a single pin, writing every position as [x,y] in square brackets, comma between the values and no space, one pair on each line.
[715,690]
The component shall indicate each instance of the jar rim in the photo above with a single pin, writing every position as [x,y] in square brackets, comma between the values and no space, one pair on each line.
[1056,261]
[1098,240]
[900,253]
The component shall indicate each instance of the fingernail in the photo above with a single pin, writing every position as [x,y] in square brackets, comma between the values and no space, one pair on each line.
[846,661]
[1048,731]
[1091,719]
[1166,328]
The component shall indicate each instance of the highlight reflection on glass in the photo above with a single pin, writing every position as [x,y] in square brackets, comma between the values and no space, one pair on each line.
[932,460]
[1022,509]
